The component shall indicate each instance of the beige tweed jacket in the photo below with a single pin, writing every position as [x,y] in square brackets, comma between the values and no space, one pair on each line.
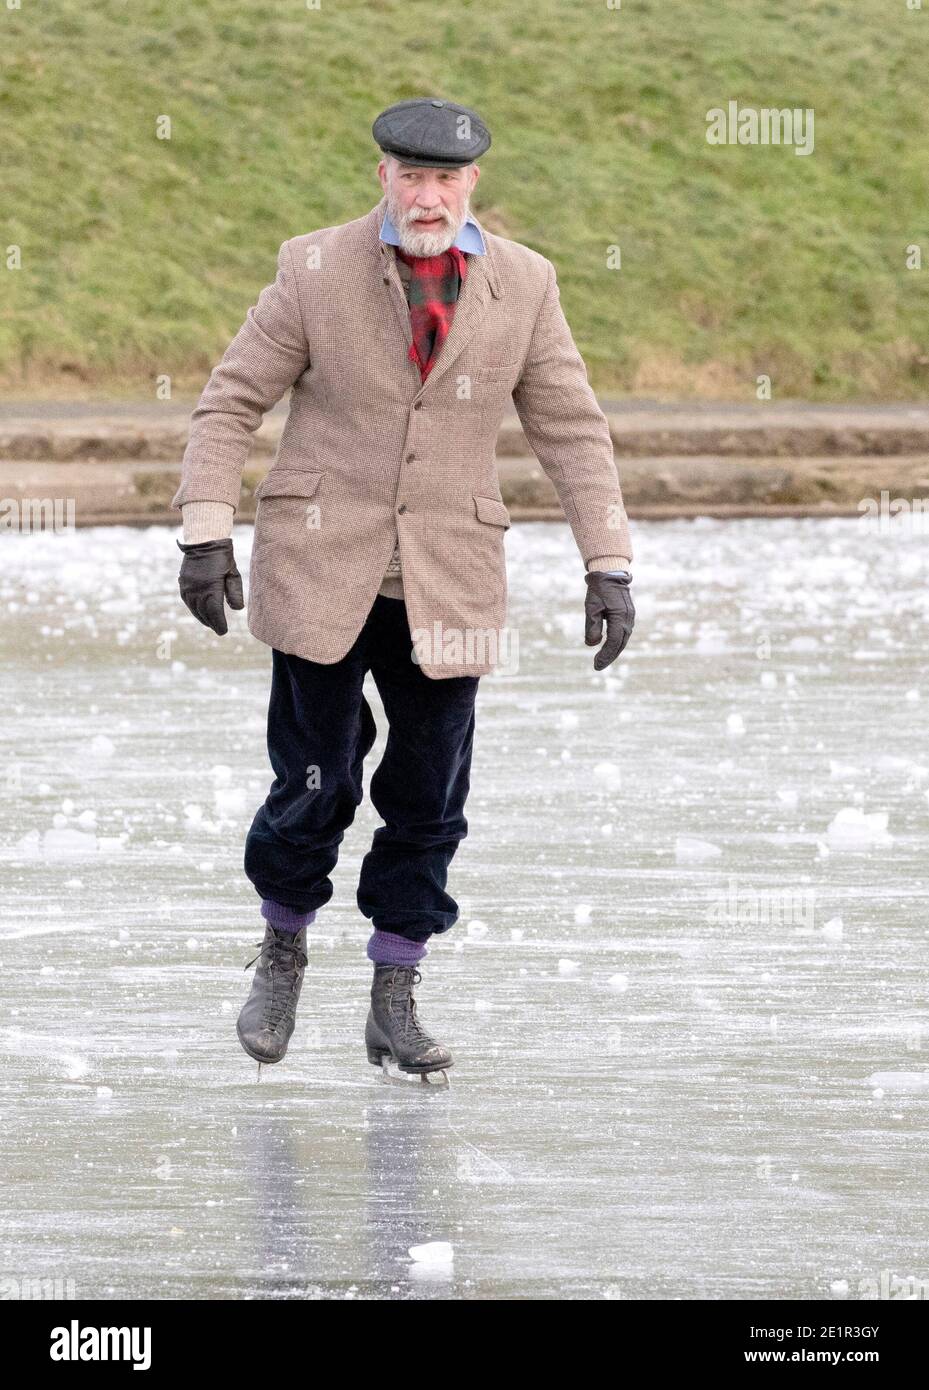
[369,453]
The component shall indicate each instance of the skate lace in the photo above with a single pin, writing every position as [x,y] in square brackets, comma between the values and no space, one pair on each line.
[277,952]
[411,1025]
[278,948]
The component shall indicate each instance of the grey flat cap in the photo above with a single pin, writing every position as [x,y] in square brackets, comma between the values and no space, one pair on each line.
[432,132]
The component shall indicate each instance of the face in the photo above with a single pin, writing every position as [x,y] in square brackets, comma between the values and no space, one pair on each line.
[428,207]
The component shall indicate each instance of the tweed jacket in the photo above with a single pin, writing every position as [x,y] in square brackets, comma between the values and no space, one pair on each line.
[369,453]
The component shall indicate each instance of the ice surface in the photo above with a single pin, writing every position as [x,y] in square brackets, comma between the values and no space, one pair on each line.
[720,1097]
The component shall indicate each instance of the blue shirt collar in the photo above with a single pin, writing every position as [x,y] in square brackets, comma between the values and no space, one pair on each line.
[470,238]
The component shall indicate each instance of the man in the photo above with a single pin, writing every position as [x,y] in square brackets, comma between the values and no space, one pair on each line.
[379,544]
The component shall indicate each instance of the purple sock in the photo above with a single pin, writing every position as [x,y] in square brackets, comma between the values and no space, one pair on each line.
[285,918]
[386,948]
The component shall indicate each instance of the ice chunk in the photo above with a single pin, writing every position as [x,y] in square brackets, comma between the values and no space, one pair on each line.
[230,801]
[688,849]
[900,1080]
[842,772]
[608,775]
[68,844]
[434,1252]
[852,829]
[711,641]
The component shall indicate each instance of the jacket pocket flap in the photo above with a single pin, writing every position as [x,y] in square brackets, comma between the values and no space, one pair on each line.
[498,373]
[288,482]
[489,509]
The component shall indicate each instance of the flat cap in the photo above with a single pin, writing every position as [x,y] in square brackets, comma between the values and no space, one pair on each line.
[432,132]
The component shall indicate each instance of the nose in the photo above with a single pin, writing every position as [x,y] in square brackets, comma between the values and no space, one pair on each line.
[429,197]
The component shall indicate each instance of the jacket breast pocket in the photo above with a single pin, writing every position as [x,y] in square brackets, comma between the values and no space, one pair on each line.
[491,510]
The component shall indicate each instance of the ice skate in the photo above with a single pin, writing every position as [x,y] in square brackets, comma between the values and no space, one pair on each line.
[394,1037]
[269,1014]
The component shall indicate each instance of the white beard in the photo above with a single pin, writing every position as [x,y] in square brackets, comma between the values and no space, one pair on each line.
[416,243]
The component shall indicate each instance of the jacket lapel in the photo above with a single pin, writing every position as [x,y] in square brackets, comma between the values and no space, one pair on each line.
[480,285]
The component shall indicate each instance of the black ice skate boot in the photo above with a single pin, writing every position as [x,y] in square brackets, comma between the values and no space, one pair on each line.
[270,1012]
[393,1030]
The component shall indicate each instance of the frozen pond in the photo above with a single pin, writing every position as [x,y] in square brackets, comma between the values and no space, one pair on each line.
[687,996]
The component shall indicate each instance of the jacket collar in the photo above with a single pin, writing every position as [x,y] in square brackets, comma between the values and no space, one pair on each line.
[480,267]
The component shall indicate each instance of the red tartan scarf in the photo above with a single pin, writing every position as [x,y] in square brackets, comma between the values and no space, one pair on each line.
[435,282]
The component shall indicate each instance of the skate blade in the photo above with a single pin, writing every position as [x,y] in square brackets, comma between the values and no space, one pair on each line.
[436,1080]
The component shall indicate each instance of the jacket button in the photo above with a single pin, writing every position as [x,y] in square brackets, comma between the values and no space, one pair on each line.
[402,507]
[417,405]
[410,458]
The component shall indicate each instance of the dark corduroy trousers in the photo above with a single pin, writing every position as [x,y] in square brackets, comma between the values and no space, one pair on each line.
[320,728]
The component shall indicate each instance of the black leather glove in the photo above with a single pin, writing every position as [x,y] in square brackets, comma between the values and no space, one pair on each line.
[608,597]
[208,576]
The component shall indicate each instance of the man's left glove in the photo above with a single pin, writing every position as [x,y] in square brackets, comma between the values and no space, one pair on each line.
[608,597]
[208,577]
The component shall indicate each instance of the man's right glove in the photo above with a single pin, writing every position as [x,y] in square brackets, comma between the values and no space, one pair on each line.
[208,576]
[608,597]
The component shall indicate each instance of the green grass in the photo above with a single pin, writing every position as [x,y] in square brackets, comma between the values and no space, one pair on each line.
[141,256]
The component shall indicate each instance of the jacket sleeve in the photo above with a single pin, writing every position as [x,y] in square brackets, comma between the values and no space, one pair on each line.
[266,356]
[569,434]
